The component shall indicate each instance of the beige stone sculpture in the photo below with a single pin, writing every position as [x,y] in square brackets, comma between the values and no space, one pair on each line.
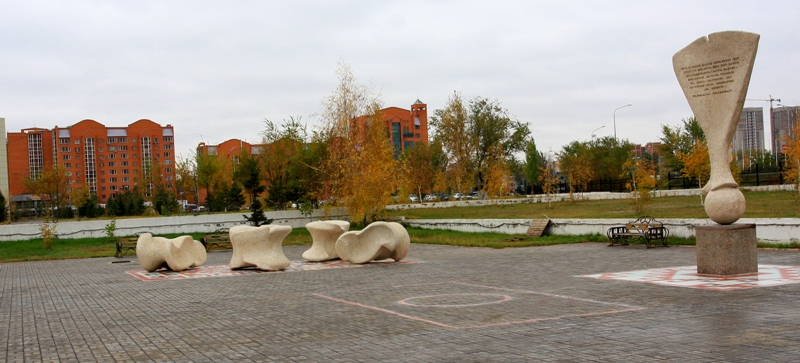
[714,73]
[324,235]
[380,240]
[260,247]
[176,254]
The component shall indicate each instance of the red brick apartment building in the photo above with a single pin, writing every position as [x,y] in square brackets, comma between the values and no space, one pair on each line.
[105,160]
[405,127]
[230,151]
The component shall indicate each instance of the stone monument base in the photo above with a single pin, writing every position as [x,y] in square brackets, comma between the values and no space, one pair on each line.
[726,250]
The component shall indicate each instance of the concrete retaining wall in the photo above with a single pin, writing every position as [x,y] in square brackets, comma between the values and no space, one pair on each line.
[539,198]
[159,225]
[775,230]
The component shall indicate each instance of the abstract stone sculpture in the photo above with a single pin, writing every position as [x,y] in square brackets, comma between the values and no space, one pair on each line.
[176,254]
[259,247]
[380,240]
[714,73]
[324,235]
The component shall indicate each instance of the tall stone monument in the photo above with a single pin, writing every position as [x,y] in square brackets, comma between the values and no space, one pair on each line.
[714,73]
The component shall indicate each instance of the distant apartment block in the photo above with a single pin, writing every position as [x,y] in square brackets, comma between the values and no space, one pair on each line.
[749,134]
[229,151]
[103,160]
[406,128]
[784,120]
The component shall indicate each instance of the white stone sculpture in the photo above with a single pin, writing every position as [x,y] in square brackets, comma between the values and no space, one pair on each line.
[380,240]
[176,254]
[714,73]
[324,235]
[260,247]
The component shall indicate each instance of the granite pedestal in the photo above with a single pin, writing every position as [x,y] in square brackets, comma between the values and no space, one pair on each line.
[726,250]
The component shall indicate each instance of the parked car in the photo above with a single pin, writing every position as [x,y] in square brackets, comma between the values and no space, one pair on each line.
[445,197]
[413,198]
[430,198]
[457,196]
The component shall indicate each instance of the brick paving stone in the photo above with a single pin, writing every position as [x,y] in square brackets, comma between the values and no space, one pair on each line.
[91,310]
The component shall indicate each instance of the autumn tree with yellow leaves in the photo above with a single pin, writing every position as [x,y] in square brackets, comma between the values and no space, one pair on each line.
[793,158]
[359,166]
[641,180]
[696,164]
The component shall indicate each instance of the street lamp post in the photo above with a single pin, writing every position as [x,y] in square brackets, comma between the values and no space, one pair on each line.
[596,130]
[615,118]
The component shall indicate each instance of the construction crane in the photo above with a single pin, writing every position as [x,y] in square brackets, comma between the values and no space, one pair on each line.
[770,100]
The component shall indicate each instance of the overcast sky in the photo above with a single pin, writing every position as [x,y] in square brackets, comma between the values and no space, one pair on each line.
[215,69]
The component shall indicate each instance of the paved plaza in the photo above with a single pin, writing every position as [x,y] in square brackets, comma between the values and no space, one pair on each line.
[566,303]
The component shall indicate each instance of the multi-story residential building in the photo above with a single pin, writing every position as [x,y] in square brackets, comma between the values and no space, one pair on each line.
[103,160]
[230,151]
[404,127]
[407,127]
[749,134]
[784,119]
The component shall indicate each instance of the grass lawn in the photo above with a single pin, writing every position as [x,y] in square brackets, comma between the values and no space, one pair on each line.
[759,205]
[32,250]
[779,204]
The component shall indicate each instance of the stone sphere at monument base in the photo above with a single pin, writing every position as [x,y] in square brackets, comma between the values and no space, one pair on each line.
[725,206]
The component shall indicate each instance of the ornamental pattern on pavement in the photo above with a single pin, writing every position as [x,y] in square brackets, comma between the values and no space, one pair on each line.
[225,270]
[686,276]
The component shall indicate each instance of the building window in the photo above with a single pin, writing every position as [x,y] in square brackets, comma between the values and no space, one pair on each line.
[124,171]
[122,148]
[111,163]
[168,139]
[123,163]
[168,147]
[77,150]
[169,177]
[67,157]
[166,154]
[123,156]
[113,187]
[78,165]
[102,189]
[125,187]
[167,170]
[63,141]
[77,142]
[100,149]
[416,135]
[112,180]
[126,179]
[64,149]
[112,172]
[67,165]
[167,162]
[112,156]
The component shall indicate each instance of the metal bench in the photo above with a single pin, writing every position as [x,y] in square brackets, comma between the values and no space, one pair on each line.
[220,238]
[124,245]
[645,228]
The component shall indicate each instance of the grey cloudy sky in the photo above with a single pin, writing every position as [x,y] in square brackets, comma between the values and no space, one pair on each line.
[216,69]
